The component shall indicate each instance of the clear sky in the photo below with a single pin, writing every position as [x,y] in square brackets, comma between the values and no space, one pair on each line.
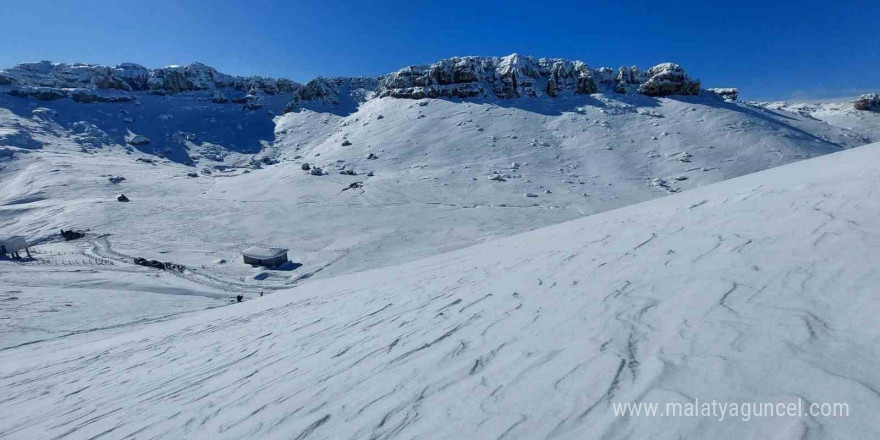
[769,49]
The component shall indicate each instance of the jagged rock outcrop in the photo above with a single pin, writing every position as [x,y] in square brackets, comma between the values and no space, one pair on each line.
[522,76]
[728,93]
[219,98]
[134,77]
[627,78]
[138,140]
[459,77]
[39,93]
[868,101]
[88,95]
[668,79]
[333,91]
[79,95]
[88,134]
[505,77]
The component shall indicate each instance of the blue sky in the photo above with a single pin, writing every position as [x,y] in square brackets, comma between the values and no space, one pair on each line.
[769,49]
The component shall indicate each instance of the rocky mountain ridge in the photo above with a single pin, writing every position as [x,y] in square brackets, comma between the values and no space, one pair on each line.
[331,92]
[505,77]
[525,76]
[457,77]
[134,77]
[868,101]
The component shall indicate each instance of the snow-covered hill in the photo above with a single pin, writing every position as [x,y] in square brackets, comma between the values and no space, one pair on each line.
[183,113]
[401,178]
[757,289]
[68,78]
[837,112]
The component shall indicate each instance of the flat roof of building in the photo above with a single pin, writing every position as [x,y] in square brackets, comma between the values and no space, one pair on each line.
[263,253]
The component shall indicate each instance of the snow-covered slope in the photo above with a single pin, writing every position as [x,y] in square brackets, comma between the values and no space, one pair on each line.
[836,112]
[183,113]
[431,161]
[453,169]
[401,178]
[757,289]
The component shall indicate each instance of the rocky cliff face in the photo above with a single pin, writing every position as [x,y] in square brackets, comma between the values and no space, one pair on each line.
[331,92]
[668,79]
[327,90]
[505,77]
[134,77]
[459,77]
[519,76]
[868,101]
[728,93]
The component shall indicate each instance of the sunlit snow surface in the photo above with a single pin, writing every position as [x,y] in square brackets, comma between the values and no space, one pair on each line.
[761,288]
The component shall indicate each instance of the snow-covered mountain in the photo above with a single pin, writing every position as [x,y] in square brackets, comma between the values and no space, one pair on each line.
[342,172]
[516,76]
[133,77]
[842,113]
[758,289]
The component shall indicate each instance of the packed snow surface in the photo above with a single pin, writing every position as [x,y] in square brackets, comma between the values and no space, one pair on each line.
[758,289]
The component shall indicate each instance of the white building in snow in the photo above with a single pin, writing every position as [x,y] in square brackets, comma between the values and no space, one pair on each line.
[265,256]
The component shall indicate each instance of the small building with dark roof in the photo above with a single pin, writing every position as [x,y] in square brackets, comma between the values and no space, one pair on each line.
[264,256]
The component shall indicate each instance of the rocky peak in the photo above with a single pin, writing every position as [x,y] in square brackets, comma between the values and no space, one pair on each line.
[333,91]
[506,77]
[727,93]
[868,101]
[668,79]
[524,76]
[134,77]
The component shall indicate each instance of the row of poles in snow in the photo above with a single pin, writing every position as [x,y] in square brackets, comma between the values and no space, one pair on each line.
[61,262]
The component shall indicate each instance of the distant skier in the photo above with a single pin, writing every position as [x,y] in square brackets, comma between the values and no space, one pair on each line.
[239,298]
[261,293]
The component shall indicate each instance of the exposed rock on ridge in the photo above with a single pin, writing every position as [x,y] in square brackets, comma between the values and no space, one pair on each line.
[134,77]
[459,77]
[332,91]
[519,76]
[328,89]
[506,77]
[868,101]
[725,93]
[668,79]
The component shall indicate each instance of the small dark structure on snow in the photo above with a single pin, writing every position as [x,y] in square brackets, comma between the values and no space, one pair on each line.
[156,264]
[12,245]
[264,256]
[122,198]
[71,235]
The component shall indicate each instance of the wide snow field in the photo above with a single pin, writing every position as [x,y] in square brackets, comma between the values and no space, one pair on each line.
[431,176]
[757,289]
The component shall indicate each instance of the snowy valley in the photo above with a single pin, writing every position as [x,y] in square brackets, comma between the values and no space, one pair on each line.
[705,293]
[484,247]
